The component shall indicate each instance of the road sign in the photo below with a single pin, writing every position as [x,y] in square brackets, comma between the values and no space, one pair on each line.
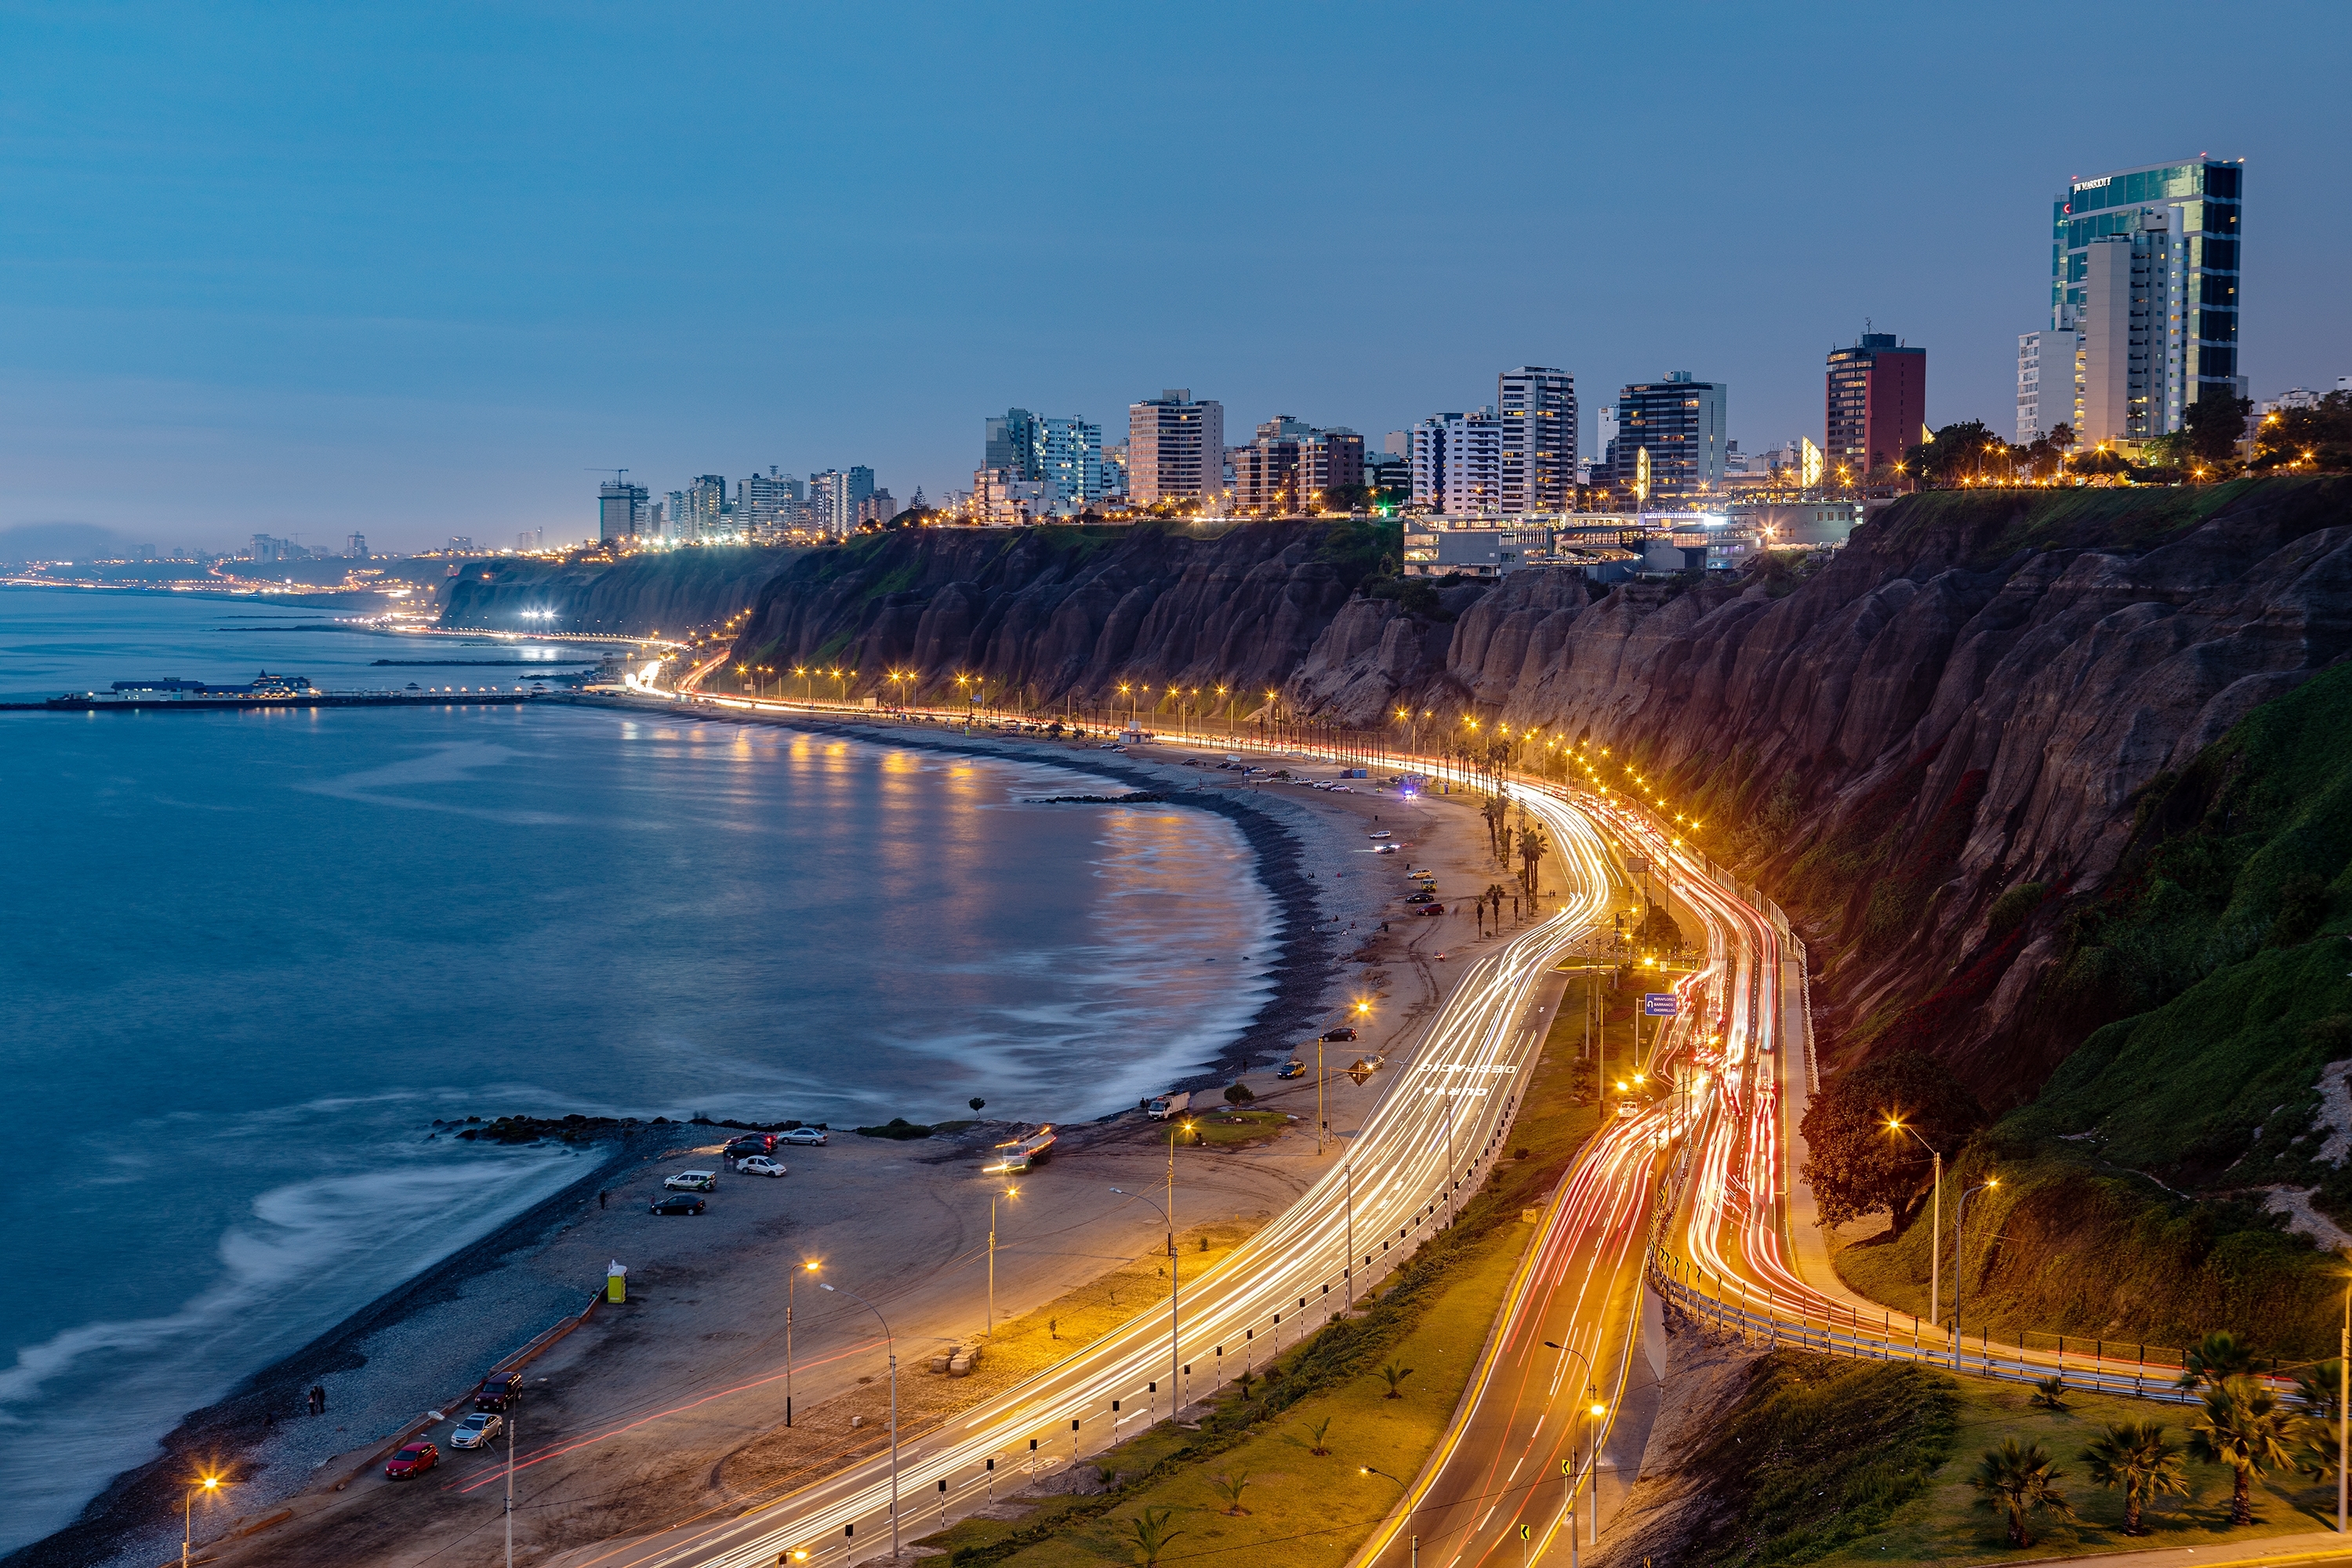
[1660,1003]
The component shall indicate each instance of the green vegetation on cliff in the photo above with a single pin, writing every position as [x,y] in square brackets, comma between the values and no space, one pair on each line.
[2131,1204]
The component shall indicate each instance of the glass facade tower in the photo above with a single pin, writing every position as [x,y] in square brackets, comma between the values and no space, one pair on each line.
[2159,312]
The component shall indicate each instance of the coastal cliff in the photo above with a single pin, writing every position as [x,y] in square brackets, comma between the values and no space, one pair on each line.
[1970,701]
[1050,614]
[639,595]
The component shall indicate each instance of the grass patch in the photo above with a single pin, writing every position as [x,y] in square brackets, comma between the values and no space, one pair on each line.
[1820,1452]
[1941,1523]
[1230,1129]
[1433,1315]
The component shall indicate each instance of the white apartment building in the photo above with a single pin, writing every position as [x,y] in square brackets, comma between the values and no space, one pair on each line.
[2045,382]
[1537,406]
[1175,448]
[1071,459]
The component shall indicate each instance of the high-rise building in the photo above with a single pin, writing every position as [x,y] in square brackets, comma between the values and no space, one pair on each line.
[1877,404]
[356,549]
[1114,475]
[700,510]
[2045,382]
[1015,444]
[620,510]
[834,497]
[1671,438]
[1293,467]
[1070,462]
[1175,447]
[768,500]
[1537,406]
[2144,266]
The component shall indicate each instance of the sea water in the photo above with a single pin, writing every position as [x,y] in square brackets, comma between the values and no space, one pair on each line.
[250,957]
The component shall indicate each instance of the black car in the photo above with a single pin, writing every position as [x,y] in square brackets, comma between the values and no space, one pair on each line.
[1340,1034]
[751,1144]
[678,1203]
[498,1390]
[1421,897]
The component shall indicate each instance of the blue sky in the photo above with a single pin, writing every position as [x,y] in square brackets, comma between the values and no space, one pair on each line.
[414,270]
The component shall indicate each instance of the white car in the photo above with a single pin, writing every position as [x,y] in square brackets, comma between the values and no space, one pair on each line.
[693,1181]
[811,1135]
[759,1165]
[476,1430]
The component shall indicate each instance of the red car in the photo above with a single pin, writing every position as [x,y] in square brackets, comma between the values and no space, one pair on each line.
[1431,909]
[414,1459]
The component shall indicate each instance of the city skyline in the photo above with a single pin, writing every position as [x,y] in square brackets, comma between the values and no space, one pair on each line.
[317,275]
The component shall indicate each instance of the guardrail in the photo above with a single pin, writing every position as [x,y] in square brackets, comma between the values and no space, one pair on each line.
[2152,1372]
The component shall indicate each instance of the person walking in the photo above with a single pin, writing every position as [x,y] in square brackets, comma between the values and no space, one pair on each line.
[601,1195]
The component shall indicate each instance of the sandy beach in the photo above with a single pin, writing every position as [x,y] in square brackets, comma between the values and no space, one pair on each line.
[671,1405]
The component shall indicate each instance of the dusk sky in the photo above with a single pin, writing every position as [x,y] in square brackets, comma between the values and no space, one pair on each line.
[415,270]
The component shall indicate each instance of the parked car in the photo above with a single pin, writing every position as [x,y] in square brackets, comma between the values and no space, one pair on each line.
[804,1135]
[414,1459]
[1341,1034]
[1383,833]
[498,1390]
[693,1181]
[678,1203]
[476,1430]
[751,1144]
[1421,897]
[760,1165]
[1293,1068]
[1431,909]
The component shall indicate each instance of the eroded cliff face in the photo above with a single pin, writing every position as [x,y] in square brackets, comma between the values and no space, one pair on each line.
[1969,699]
[1047,615]
[673,591]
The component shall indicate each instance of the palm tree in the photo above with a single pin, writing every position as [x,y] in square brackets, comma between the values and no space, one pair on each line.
[1317,1441]
[2050,1394]
[2216,1357]
[2019,1478]
[1231,1488]
[2133,1458]
[1152,1535]
[2317,1390]
[1395,1375]
[2243,1426]
[1243,1380]
[1533,848]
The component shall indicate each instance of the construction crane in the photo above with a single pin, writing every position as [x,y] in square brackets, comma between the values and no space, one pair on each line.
[617,473]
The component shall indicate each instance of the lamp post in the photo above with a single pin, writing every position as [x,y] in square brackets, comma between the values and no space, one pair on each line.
[1593,1412]
[207,1484]
[1935,1236]
[1960,1240]
[791,1279]
[1008,1193]
[892,1343]
[514,1416]
[2344,1416]
[1175,1355]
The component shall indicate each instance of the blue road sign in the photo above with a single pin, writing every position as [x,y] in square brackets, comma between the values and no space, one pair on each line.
[1660,1003]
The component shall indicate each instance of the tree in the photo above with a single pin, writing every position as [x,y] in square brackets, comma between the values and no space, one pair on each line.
[1317,1441]
[1238,1093]
[1231,1488]
[1395,1375]
[2017,1480]
[2317,1396]
[2133,1458]
[2050,1394]
[1969,449]
[1857,1165]
[1495,808]
[1152,1535]
[2314,439]
[2214,427]
[1533,848]
[2243,1426]
[2217,1356]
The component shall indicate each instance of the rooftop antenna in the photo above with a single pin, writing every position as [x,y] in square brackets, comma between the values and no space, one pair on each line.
[617,473]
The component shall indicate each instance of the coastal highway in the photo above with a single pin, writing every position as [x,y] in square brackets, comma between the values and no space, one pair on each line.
[1429,1141]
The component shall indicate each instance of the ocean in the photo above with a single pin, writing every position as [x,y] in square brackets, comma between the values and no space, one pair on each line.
[252,956]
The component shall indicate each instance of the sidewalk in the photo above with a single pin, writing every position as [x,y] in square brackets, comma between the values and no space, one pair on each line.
[2313,1546]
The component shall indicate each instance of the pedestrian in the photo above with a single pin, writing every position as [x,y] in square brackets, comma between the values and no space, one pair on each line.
[602,1196]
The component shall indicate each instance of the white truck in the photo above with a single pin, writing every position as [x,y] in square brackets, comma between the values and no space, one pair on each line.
[1168,1105]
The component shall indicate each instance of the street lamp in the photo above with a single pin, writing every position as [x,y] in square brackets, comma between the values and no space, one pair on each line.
[889,1340]
[1935,1236]
[1592,1412]
[1008,1193]
[791,1279]
[1175,1356]
[206,1484]
[1960,1240]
